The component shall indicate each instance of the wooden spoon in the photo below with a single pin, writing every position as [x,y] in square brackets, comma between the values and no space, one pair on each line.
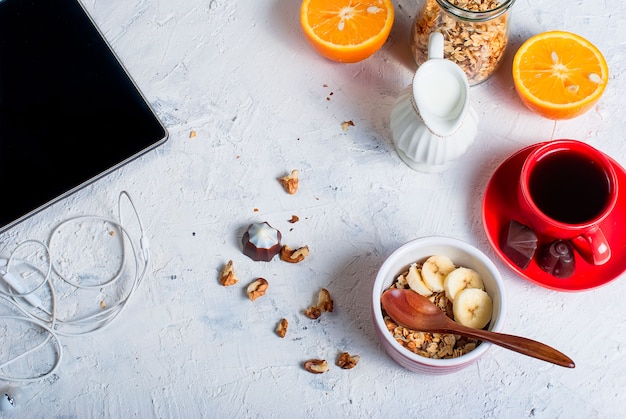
[412,310]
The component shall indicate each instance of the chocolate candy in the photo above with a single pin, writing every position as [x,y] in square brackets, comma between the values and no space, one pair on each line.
[557,259]
[261,242]
[519,243]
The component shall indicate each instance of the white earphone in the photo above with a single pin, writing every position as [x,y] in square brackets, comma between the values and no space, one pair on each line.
[6,402]
[41,315]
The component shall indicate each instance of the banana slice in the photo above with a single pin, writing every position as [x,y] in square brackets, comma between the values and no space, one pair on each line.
[472,308]
[414,279]
[459,279]
[434,270]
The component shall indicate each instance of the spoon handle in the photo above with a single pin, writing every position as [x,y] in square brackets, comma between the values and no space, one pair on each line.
[518,344]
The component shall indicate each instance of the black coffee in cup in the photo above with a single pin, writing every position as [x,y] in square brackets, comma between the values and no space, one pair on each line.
[569,187]
[566,190]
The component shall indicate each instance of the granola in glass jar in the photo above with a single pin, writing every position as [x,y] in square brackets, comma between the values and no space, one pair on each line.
[475,33]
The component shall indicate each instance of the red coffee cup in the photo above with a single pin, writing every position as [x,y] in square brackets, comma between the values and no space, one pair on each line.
[566,189]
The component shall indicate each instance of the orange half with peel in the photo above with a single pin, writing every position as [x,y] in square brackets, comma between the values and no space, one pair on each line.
[559,75]
[346,31]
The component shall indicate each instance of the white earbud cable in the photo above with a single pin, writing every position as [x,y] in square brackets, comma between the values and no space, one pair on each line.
[46,318]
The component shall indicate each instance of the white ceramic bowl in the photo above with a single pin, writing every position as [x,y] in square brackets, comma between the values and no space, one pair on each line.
[462,254]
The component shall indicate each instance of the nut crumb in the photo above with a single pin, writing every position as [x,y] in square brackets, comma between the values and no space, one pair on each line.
[257,288]
[347,361]
[227,276]
[316,366]
[290,182]
[281,327]
[293,255]
[294,219]
[346,124]
[193,134]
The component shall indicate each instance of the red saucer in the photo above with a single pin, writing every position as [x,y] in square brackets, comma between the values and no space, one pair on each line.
[500,206]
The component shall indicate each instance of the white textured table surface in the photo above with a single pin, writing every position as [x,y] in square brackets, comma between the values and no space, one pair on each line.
[262,102]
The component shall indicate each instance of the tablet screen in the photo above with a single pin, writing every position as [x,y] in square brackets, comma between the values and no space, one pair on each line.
[69,112]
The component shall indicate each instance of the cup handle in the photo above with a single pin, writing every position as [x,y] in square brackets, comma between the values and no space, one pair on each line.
[593,246]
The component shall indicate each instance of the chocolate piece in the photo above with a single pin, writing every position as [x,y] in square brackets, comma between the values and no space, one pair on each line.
[261,242]
[519,243]
[557,259]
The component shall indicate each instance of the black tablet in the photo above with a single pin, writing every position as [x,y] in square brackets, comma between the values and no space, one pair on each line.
[69,111]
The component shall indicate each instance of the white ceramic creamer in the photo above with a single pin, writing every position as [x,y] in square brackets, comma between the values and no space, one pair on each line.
[433,121]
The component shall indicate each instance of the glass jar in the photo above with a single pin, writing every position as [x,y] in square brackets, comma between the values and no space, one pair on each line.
[475,31]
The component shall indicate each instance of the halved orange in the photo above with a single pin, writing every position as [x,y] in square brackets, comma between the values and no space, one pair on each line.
[346,30]
[559,75]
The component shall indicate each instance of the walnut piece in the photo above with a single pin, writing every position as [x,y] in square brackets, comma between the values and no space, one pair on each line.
[347,361]
[281,327]
[293,255]
[294,219]
[290,182]
[324,303]
[313,312]
[257,288]
[227,276]
[316,366]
